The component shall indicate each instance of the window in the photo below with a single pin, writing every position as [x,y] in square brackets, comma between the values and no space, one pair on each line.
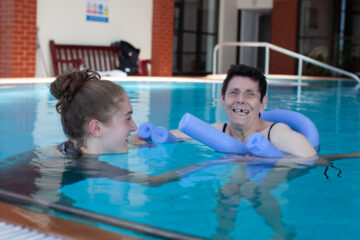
[195,35]
[328,33]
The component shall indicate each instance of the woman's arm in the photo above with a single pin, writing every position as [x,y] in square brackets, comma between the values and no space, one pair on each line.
[291,142]
[332,157]
[106,170]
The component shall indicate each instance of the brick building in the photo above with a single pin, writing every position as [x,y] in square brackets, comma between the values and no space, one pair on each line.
[183,33]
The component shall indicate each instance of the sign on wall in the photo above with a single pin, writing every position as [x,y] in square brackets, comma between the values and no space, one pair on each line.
[97,10]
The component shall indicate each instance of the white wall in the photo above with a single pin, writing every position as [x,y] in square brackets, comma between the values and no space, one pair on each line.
[227,33]
[64,21]
[249,33]
[228,16]
[255,4]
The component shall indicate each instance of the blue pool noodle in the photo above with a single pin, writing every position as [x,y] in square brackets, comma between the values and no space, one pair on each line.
[259,145]
[297,121]
[256,145]
[145,130]
[210,136]
[162,135]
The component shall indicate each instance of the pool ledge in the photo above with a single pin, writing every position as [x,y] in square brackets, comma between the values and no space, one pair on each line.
[218,78]
[54,226]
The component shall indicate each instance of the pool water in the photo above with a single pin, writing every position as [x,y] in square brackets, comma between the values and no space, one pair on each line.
[223,201]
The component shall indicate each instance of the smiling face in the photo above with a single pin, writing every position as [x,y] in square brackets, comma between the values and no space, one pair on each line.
[242,101]
[115,134]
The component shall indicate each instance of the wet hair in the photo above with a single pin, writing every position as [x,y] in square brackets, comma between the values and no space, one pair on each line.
[84,96]
[245,71]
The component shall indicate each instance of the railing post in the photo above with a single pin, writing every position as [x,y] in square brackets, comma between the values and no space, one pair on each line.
[299,79]
[215,60]
[267,53]
[300,70]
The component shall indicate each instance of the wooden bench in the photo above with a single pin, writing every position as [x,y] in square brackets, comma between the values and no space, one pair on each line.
[98,58]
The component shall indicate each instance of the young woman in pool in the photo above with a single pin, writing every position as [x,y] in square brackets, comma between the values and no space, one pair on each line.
[96,117]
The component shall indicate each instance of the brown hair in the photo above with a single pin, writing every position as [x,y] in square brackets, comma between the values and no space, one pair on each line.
[246,71]
[84,96]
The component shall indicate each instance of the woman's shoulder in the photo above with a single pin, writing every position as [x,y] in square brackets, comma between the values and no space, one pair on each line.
[64,149]
[218,126]
[34,155]
[279,126]
[50,151]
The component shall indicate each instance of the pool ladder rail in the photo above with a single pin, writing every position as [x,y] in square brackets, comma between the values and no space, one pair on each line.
[269,46]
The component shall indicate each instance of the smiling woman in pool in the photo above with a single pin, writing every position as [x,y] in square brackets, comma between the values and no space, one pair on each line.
[243,96]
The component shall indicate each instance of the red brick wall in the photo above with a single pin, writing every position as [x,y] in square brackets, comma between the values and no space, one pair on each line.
[162,37]
[284,17]
[17,38]
[6,26]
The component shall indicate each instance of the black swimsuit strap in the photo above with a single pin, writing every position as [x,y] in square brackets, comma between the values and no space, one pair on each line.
[224,127]
[270,131]
[68,149]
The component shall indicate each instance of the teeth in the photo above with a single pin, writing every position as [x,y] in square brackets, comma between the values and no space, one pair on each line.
[240,111]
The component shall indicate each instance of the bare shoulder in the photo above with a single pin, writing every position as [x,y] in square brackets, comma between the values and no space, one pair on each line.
[281,127]
[282,132]
[48,151]
[218,126]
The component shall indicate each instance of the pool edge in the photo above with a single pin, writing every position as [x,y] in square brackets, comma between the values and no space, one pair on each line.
[55,226]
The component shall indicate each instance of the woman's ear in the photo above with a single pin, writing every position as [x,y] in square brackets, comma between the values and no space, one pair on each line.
[264,102]
[94,128]
[222,101]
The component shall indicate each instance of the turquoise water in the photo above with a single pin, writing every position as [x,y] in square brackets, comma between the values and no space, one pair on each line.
[224,201]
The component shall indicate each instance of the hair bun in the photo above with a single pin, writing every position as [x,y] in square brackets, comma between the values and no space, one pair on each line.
[65,86]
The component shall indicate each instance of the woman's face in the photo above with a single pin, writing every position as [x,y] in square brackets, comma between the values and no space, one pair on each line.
[242,101]
[116,133]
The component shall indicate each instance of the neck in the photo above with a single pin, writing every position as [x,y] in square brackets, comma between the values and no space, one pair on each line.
[92,146]
[243,132]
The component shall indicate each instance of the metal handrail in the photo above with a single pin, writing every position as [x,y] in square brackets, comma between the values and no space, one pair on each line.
[269,46]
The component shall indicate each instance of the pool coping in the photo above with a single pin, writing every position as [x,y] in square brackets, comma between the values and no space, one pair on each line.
[218,78]
[54,226]
[43,206]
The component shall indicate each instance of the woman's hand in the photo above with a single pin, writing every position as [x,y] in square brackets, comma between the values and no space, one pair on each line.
[137,141]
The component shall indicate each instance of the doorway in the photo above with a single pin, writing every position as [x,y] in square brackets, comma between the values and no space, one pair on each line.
[253,26]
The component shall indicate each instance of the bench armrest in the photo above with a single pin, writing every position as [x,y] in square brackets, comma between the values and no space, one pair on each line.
[143,66]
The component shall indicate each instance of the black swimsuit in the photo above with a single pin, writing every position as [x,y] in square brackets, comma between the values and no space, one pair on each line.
[68,149]
[225,125]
